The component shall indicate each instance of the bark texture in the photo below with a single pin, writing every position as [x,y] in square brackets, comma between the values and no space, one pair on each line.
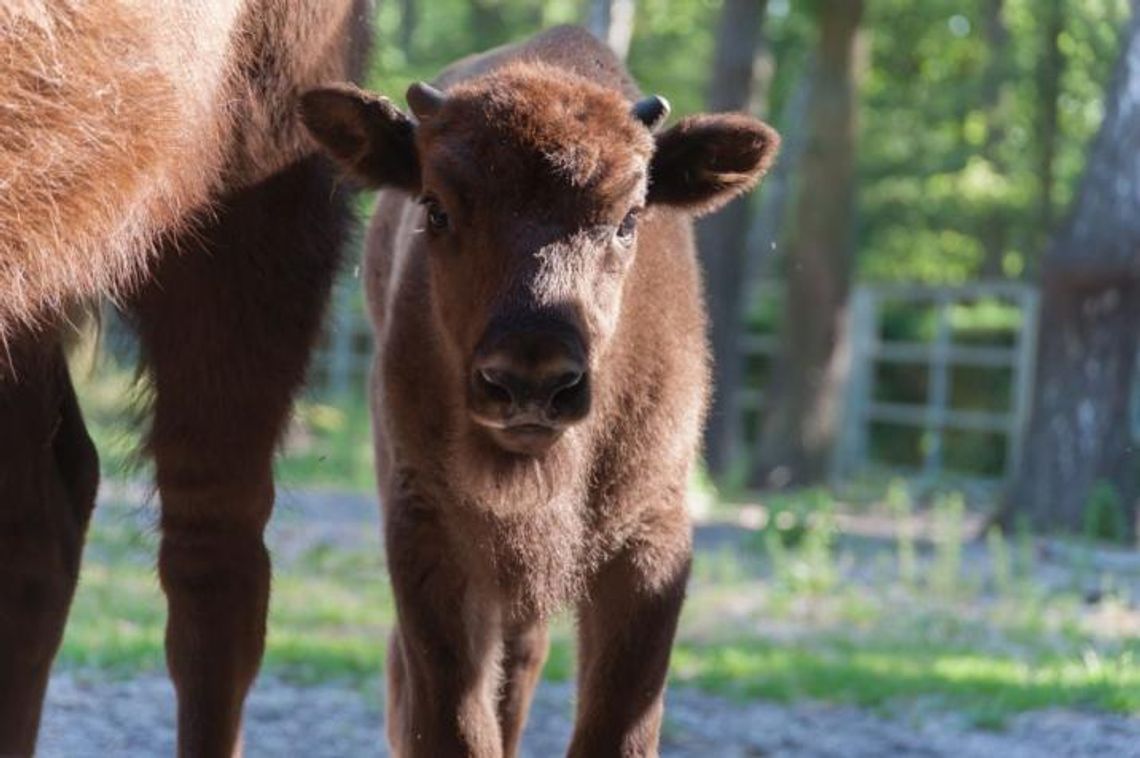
[722,238]
[611,21]
[1048,92]
[802,421]
[1082,424]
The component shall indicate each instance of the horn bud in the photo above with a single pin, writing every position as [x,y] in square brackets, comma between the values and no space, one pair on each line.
[651,111]
[424,100]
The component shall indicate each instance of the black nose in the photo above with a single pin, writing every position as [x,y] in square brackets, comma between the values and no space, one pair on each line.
[559,397]
[525,387]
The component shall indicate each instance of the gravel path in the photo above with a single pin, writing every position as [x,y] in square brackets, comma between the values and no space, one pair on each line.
[95,717]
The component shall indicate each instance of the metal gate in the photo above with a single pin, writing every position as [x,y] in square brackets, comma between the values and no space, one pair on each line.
[941,354]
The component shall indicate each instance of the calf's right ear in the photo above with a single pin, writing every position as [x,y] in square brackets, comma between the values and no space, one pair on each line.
[365,133]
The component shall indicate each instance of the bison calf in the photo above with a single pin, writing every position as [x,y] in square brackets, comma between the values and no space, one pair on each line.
[540,380]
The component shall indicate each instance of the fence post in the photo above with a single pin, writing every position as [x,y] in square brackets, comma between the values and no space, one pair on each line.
[938,393]
[1022,381]
[851,447]
[340,340]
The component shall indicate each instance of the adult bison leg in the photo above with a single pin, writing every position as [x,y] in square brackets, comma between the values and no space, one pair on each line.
[626,628]
[524,651]
[441,699]
[227,327]
[48,476]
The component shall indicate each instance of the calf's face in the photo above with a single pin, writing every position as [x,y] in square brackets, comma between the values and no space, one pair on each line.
[532,183]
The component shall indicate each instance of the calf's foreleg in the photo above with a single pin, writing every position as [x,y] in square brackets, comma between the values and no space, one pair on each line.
[442,664]
[525,647]
[625,634]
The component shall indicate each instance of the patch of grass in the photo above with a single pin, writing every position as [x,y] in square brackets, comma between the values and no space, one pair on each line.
[987,688]
[968,628]
[329,617]
[330,613]
[328,442]
[329,445]
[561,663]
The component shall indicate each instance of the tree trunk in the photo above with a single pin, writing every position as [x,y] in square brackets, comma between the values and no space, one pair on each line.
[612,22]
[995,80]
[408,20]
[1081,426]
[802,421]
[488,27]
[769,223]
[722,238]
[1048,92]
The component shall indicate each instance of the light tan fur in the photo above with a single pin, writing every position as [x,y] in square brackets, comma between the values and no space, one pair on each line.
[120,119]
[157,143]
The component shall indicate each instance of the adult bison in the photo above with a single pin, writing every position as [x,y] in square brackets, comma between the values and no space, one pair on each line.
[540,381]
[150,150]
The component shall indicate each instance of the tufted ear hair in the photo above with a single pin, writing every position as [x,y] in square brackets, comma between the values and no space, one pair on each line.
[705,161]
[365,133]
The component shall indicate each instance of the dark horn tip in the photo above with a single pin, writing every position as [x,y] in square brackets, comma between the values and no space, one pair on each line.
[424,100]
[651,111]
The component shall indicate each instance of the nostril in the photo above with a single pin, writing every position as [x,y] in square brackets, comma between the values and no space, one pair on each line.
[570,397]
[566,381]
[493,386]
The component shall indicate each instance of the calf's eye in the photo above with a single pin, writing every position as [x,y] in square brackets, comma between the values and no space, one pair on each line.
[437,220]
[626,228]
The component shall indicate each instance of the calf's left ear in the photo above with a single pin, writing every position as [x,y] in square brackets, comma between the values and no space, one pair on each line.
[365,133]
[705,161]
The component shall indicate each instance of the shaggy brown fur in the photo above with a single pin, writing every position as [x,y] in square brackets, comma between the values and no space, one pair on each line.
[151,150]
[528,168]
[119,119]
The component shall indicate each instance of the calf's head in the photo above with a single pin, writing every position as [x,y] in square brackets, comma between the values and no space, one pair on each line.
[533,183]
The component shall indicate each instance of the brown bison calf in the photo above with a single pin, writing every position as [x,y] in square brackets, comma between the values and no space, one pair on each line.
[540,381]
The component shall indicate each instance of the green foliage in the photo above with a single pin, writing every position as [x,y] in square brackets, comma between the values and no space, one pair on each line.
[671,50]
[948,178]
[791,517]
[1104,515]
[901,510]
[949,525]
[799,539]
[1002,564]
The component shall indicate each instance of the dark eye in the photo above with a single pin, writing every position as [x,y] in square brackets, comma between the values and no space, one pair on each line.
[437,220]
[627,227]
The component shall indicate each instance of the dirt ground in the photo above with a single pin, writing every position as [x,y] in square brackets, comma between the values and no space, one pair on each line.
[93,717]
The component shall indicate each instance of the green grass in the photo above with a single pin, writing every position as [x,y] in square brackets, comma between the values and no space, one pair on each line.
[796,611]
[749,630]
[986,687]
[330,614]
[330,611]
[330,445]
[328,442]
